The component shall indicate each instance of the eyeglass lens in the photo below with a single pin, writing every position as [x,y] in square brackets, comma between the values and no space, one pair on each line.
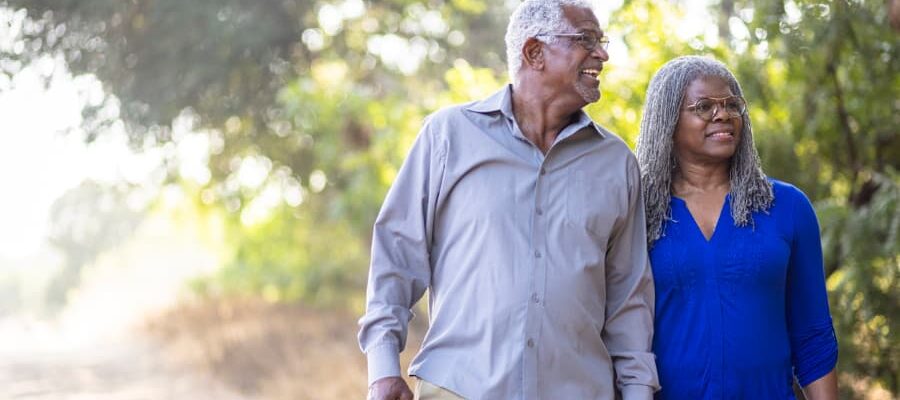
[707,108]
[590,41]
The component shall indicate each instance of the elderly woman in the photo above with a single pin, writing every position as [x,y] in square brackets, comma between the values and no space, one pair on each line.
[741,306]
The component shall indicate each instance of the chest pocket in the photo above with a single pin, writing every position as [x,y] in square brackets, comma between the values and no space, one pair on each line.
[594,205]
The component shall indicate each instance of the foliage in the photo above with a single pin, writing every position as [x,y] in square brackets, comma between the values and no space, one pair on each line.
[272,255]
[642,27]
[864,288]
[226,59]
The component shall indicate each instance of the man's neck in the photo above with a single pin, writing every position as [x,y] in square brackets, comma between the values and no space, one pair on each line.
[541,117]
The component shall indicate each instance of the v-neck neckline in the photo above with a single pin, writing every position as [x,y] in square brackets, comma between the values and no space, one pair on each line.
[715,232]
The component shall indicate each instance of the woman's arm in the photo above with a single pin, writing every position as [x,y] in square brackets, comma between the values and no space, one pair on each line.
[814,349]
[824,388]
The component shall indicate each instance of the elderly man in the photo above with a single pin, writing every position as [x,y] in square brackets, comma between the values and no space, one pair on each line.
[524,220]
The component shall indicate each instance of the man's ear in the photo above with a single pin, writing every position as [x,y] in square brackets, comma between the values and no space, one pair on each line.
[533,54]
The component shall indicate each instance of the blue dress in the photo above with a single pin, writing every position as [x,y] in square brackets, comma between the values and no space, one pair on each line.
[738,316]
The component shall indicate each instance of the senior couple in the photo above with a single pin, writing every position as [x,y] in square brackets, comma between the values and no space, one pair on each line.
[561,266]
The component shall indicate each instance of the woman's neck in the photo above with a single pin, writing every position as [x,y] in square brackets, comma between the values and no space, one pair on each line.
[701,179]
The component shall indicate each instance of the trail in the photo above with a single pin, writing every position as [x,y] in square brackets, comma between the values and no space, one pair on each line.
[39,361]
[96,346]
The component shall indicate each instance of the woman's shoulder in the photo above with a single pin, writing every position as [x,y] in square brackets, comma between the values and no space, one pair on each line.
[785,189]
[787,196]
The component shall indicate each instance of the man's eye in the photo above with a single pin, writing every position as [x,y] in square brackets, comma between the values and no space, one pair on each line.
[733,106]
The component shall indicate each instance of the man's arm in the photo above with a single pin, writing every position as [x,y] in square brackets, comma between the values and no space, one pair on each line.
[628,333]
[400,270]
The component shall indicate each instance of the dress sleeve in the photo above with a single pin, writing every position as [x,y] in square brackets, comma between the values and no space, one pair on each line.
[628,332]
[400,269]
[813,343]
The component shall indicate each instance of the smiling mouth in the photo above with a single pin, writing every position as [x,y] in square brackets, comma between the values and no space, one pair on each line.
[720,135]
[590,72]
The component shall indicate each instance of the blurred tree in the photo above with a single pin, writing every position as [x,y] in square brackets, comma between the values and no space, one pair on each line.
[644,29]
[88,220]
[310,103]
[228,58]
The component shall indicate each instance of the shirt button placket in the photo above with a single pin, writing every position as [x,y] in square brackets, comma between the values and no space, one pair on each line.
[539,274]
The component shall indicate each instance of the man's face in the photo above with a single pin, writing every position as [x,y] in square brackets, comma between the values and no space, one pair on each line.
[570,68]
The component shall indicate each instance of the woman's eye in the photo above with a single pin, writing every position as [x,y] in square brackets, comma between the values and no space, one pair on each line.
[703,106]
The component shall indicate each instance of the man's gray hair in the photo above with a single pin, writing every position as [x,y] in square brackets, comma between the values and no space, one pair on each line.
[531,18]
[750,190]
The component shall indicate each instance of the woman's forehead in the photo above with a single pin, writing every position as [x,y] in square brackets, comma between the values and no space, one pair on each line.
[708,86]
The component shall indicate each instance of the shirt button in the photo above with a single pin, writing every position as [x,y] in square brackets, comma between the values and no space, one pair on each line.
[535,298]
[537,254]
[543,171]
[540,212]
[530,343]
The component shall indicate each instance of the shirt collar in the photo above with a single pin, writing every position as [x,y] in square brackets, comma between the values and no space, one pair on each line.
[501,101]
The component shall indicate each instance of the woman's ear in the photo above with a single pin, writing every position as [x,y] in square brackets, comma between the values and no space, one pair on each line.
[533,54]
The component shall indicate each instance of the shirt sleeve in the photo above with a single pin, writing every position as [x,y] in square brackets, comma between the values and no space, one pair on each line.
[813,343]
[628,332]
[400,270]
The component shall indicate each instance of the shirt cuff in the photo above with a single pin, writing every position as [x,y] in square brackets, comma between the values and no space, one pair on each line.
[637,392]
[384,361]
[815,353]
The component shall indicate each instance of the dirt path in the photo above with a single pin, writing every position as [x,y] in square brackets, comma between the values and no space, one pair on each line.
[39,361]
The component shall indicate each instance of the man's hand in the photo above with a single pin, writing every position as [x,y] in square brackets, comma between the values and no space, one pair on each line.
[390,388]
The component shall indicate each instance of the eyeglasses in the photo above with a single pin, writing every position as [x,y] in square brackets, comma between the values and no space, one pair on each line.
[707,107]
[588,40]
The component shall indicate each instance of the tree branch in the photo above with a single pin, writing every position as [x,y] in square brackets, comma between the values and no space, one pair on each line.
[844,121]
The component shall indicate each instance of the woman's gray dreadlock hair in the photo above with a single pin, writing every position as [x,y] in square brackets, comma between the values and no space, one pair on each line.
[750,190]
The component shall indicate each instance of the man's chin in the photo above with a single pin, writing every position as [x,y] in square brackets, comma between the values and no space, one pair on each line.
[591,97]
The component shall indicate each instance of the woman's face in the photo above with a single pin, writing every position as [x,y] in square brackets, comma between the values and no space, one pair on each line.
[708,142]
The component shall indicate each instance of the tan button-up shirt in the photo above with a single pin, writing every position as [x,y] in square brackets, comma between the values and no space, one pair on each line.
[536,265]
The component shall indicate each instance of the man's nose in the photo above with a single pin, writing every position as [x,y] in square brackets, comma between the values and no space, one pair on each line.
[600,53]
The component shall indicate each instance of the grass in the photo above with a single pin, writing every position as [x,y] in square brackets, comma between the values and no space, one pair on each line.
[271,351]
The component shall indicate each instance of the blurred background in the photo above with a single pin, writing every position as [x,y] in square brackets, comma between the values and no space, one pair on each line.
[189,186]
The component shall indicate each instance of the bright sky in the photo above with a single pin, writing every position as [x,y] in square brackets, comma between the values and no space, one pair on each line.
[36,162]
[43,152]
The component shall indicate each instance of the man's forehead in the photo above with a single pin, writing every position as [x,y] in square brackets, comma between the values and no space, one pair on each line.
[581,17]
